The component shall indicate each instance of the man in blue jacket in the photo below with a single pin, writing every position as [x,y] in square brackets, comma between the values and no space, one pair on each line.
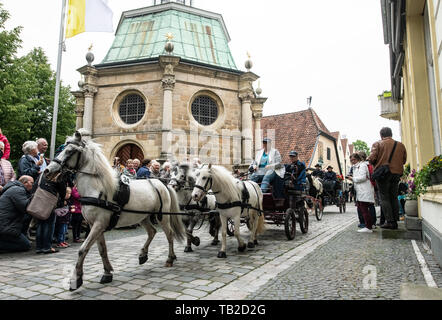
[13,202]
[144,171]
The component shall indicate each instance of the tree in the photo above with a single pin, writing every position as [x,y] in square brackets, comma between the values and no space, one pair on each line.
[360,145]
[27,96]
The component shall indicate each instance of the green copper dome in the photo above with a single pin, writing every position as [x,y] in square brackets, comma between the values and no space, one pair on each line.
[199,36]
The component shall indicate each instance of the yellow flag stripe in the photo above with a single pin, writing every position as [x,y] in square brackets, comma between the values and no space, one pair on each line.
[76,18]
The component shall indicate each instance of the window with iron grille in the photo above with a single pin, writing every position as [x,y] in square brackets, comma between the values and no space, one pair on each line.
[205,110]
[328,154]
[132,109]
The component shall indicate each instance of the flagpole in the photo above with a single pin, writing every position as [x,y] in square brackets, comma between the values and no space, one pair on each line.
[57,84]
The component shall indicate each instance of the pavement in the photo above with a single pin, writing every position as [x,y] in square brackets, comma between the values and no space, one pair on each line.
[331,261]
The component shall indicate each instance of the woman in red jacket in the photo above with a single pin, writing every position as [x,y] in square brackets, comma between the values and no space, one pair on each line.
[77,217]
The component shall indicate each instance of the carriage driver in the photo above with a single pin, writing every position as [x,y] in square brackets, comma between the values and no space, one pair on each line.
[297,170]
[267,168]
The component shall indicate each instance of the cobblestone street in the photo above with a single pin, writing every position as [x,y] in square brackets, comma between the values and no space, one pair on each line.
[325,263]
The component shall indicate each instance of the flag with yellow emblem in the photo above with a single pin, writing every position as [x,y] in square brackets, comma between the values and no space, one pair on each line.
[88,16]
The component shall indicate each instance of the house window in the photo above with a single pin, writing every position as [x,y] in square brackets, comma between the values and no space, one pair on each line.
[205,110]
[132,109]
[328,154]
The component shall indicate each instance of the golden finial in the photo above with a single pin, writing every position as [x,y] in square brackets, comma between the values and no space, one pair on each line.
[90,47]
[169,36]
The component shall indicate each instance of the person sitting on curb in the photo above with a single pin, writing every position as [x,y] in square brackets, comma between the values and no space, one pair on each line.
[15,197]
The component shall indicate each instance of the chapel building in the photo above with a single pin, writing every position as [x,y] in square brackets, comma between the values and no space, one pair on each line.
[169,88]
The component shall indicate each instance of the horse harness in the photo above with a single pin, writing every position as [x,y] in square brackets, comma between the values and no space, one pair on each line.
[244,203]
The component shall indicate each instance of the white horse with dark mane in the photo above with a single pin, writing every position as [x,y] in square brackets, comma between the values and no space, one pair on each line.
[183,181]
[97,180]
[230,197]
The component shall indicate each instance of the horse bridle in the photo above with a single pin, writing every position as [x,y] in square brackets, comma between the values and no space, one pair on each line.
[65,168]
[181,183]
[205,189]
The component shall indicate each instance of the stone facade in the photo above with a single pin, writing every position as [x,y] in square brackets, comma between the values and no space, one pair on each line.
[108,86]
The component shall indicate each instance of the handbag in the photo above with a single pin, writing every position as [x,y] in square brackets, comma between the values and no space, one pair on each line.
[42,203]
[383,172]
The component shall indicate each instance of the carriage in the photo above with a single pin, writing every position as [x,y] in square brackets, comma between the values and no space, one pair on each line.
[333,195]
[286,211]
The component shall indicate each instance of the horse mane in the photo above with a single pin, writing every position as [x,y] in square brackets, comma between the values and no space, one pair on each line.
[103,169]
[228,182]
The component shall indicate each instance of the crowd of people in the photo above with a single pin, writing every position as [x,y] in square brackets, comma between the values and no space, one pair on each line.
[17,228]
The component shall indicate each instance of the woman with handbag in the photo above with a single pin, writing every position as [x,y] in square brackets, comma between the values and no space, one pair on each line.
[45,228]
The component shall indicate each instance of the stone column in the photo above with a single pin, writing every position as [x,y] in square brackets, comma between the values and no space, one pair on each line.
[247,126]
[257,107]
[79,110]
[168,82]
[88,120]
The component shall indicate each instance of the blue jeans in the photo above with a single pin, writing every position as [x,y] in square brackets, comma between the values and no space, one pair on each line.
[276,182]
[62,228]
[14,244]
[45,232]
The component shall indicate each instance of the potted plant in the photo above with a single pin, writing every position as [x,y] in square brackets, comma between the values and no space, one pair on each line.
[417,186]
[435,169]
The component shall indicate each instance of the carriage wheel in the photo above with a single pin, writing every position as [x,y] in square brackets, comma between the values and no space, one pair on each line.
[303,219]
[230,227]
[318,212]
[290,224]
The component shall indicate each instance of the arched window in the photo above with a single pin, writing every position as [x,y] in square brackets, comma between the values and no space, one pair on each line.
[205,110]
[132,109]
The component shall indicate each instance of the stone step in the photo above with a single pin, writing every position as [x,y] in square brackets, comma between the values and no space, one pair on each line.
[411,291]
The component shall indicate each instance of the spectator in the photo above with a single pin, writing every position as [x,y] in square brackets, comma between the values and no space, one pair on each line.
[402,194]
[28,164]
[45,228]
[165,171]
[42,146]
[63,215]
[13,202]
[155,169]
[388,187]
[6,171]
[371,207]
[129,170]
[7,150]
[137,164]
[364,190]
[77,216]
[144,171]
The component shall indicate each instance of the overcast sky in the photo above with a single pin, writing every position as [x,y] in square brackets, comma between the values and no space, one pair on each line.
[330,50]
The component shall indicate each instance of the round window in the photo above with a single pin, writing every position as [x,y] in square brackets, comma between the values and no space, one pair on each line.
[205,110]
[132,108]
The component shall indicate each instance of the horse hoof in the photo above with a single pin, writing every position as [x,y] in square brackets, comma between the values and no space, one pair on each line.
[169,264]
[251,245]
[142,259]
[215,242]
[188,249]
[76,284]
[106,278]
[222,254]
[242,248]
[196,241]
[255,242]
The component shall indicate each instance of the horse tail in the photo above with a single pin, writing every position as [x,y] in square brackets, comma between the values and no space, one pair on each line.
[176,221]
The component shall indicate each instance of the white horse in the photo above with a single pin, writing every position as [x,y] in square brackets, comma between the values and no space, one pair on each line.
[183,181]
[229,194]
[96,179]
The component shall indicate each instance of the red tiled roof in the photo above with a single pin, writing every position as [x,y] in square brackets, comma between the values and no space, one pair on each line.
[295,131]
[350,146]
[335,135]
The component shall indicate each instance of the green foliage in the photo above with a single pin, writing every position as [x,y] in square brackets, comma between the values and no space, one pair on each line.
[435,164]
[27,86]
[360,145]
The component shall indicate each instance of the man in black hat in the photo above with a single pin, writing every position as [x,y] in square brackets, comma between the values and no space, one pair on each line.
[296,170]
[318,172]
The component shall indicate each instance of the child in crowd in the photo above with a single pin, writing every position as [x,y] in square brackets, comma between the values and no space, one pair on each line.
[62,221]
[77,217]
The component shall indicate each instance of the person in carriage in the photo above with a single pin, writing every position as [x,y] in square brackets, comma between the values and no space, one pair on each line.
[318,172]
[296,171]
[267,169]
[331,183]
